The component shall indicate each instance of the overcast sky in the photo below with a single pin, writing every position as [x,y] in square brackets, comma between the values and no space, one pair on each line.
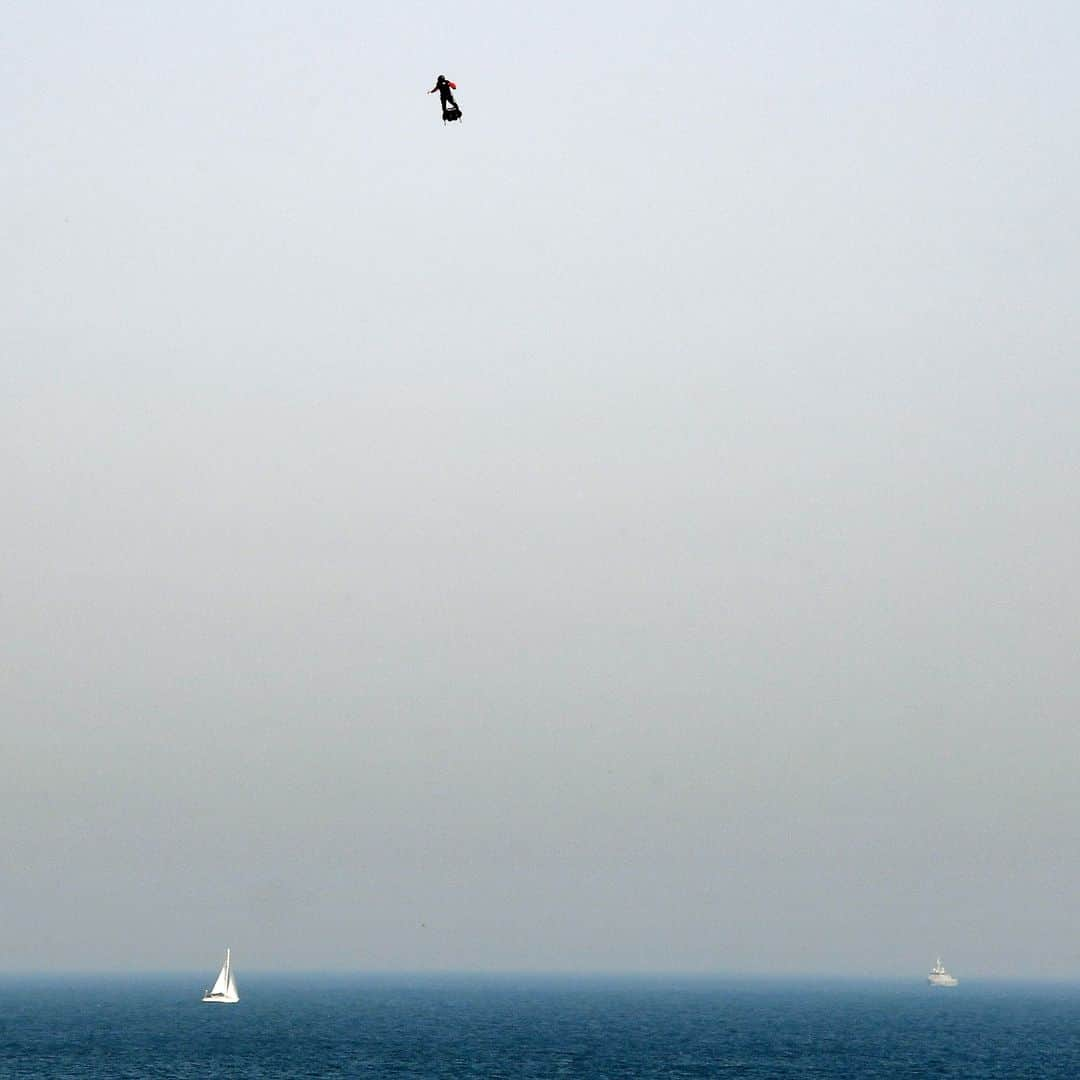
[635,528]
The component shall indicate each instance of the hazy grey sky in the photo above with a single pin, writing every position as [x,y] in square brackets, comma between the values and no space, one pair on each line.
[635,528]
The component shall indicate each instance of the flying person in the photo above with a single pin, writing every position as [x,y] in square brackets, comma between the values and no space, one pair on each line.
[446,88]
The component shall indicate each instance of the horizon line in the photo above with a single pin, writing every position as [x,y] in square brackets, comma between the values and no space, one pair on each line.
[539,973]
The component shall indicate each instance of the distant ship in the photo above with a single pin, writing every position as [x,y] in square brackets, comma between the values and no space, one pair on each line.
[224,989]
[939,976]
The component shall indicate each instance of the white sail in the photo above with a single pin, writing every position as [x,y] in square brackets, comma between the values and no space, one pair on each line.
[224,988]
[222,981]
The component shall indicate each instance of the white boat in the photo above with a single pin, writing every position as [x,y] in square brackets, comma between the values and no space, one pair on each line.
[939,976]
[224,989]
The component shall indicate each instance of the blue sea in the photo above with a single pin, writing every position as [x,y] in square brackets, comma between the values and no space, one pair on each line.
[532,1026]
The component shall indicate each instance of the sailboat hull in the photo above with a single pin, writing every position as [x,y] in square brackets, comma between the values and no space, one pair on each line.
[221,999]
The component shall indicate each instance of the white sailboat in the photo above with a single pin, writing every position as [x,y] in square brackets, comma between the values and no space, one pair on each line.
[224,989]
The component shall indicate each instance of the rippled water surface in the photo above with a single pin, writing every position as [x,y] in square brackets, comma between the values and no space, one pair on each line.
[535,1027]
